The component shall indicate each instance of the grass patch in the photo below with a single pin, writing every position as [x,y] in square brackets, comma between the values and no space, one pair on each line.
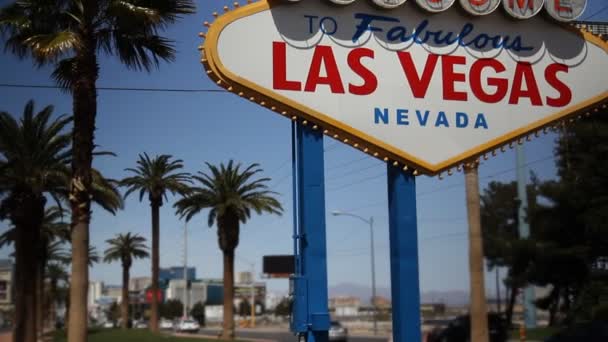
[536,333]
[118,335]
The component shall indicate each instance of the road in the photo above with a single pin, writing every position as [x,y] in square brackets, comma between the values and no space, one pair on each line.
[285,336]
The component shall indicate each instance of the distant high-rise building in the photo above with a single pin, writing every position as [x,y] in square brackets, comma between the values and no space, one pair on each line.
[244,278]
[114,292]
[6,285]
[95,292]
[175,273]
[196,292]
[139,283]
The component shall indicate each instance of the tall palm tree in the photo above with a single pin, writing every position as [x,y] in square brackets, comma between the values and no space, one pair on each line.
[230,194]
[33,163]
[70,34]
[155,177]
[56,273]
[125,248]
[52,234]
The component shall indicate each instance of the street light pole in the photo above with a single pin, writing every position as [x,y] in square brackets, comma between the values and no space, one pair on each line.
[371,235]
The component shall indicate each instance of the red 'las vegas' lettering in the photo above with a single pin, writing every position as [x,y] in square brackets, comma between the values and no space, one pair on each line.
[500,85]
[418,83]
[483,81]
[525,74]
[370,82]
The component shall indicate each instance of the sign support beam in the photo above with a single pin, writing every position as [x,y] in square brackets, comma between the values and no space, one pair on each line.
[478,308]
[311,271]
[403,232]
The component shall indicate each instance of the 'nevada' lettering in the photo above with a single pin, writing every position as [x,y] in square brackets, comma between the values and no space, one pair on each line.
[441,119]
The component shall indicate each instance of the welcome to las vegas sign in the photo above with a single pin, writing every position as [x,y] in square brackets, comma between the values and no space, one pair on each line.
[422,91]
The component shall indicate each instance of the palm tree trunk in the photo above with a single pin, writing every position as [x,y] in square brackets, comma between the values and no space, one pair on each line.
[124,304]
[25,294]
[40,299]
[511,305]
[228,331]
[27,220]
[85,110]
[479,316]
[52,303]
[155,265]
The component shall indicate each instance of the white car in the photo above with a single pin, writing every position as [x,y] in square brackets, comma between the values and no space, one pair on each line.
[140,325]
[109,325]
[188,325]
[337,332]
[166,324]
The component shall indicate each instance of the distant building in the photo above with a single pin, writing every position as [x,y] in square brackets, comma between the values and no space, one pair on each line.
[114,292]
[243,278]
[139,283]
[345,306]
[432,309]
[195,292]
[382,303]
[95,292]
[6,285]
[273,299]
[243,291]
[214,313]
[174,273]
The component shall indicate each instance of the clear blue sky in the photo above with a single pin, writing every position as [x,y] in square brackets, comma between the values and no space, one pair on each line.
[216,127]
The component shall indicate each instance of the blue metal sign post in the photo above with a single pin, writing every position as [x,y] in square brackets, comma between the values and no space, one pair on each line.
[310,314]
[403,234]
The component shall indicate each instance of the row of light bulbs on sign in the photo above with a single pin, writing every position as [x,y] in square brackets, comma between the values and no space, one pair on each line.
[561,10]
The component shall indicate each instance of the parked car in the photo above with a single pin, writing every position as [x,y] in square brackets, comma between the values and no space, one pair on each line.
[140,325]
[588,332]
[166,324]
[459,330]
[188,325]
[109,325]
[337,332]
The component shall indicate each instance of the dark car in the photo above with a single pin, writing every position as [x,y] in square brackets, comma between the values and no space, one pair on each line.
[459,330]
[587,332]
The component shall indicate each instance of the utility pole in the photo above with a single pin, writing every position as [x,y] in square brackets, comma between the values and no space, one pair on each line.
[524,232]
[253,295]
[185,314]
[371,241]
[370,222]
[498,302]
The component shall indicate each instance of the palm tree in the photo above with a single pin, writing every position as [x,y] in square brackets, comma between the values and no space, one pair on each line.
[125,248]
[56,273]
[33,163]
[156,177]
[53,234]
[71,34]
[230,194]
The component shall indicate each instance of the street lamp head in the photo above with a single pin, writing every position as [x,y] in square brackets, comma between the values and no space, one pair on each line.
[336,212]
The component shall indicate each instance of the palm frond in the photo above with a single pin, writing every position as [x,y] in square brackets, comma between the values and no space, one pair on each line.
[231,194]
[51,46]
[65,74]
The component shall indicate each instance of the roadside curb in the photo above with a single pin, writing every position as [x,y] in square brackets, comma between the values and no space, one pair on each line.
[215,337]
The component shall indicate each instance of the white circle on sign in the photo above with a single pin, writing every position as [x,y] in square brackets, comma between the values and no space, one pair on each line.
[389,3]
[435,6]
[342,2]
[480,7]
[565,10]
[523,9]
